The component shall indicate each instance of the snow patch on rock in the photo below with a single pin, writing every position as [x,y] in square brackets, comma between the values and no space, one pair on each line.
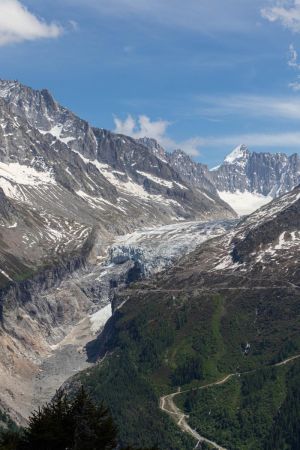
[56,131]
[22,174]
[238,153]
[156,180]
[99,319]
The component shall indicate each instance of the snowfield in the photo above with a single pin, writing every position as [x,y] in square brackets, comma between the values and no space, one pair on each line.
[25,175]
[244,203]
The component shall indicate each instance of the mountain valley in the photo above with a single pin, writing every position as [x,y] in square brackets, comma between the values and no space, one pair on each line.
[134,272]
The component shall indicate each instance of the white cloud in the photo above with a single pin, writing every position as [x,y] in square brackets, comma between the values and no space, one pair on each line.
[191,146]
[295,85]
[285,11]
[18,24]
[196,15]
[293,57]
[294,63]
[250,106]
[282,141]
[74,25]
[143,126]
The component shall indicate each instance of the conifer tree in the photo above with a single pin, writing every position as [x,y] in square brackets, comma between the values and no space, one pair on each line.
[66,424]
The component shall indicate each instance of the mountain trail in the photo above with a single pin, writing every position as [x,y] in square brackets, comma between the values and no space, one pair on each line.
[168,405]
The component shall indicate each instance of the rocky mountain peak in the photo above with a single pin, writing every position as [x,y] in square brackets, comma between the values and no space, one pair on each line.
[7,86]
[154,146]
[180,153]
[247,180]
[7,209]
[240,152]
[190,171]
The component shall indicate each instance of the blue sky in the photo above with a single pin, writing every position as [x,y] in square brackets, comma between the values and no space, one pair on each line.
[204,75]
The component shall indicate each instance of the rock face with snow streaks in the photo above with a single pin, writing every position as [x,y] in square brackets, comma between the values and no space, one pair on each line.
[196,174]
[245,180]
[112,175]
[264,246]
[255,178]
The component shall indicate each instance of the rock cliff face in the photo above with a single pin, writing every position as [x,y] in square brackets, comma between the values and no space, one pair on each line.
[101,171]
[196,174]
[245,180]
[263,173]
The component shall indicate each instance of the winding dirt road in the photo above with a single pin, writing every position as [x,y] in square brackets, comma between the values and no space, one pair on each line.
[168,405]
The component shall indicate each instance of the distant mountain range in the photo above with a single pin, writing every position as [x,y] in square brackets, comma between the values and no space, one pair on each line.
[245,180]
[97,166]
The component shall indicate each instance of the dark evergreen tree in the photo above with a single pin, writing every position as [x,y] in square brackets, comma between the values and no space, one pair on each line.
[65,424]
[93,425]
[9,439]
[50,427]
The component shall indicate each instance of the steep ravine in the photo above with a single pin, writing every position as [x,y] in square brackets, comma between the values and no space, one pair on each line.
[34,316]
[48,320]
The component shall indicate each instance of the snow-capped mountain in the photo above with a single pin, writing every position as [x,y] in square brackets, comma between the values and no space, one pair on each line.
[71,176]
[265,242]
[70,193]
[247,180]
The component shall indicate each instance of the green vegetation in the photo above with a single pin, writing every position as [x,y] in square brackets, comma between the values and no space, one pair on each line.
[134,405]
[285,431]
[155,347]
[159,341]
[66,423]
[26,275]
[256,411]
